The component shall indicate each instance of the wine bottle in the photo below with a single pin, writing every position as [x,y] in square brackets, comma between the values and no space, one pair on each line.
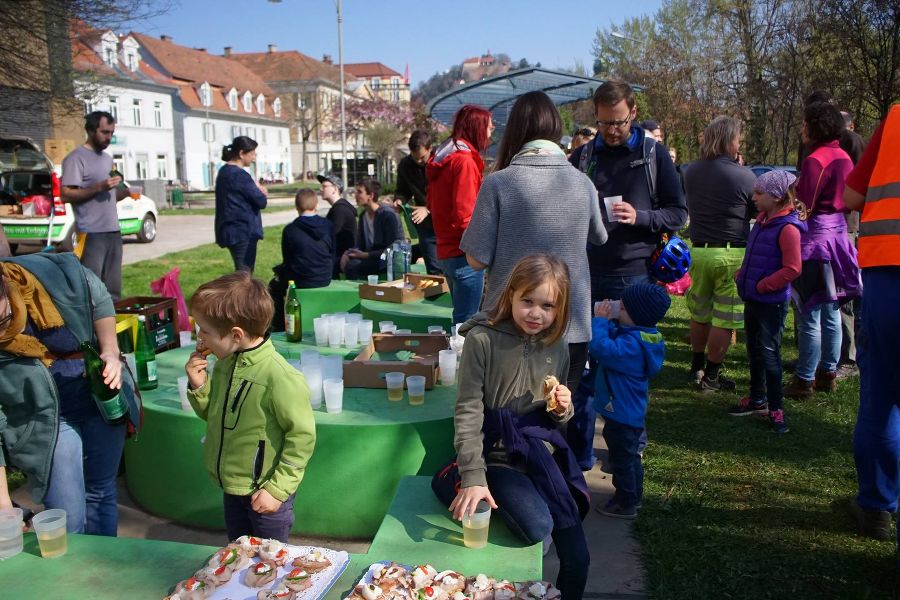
[109,402]
[293,328]
[145,357]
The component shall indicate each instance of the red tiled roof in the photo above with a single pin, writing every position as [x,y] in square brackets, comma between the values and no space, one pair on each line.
[289,66]
[86,60]
[370,69]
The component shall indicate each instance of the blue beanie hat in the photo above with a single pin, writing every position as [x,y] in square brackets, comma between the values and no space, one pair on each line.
[646,303]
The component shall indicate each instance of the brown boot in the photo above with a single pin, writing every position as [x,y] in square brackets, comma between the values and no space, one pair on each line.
[825,381]
[799,389]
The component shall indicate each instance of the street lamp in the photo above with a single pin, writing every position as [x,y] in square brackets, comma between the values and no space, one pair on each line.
[338,5]
[621,36]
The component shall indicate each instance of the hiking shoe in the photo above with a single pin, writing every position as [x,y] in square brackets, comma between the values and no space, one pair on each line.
[718,384]
[825,381]
[871,523]
[776,418]
[798,389]
[847,370]
[696,376]
[748,406]
[615,510]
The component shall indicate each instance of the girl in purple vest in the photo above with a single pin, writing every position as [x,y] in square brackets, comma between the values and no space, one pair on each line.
[771,262]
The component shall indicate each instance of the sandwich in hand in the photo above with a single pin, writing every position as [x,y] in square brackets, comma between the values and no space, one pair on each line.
[549,386]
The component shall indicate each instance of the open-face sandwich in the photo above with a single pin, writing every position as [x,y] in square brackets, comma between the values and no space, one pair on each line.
[549,385]
[298,580]
[275,551]
[366,591]
[215,576]
[313,562]
[229,557]
[277,593]
[504,590]
[391,577]
[537,590]
[423,576]
[248,544]
[450,581]
[260,574]
[193,589]
[480,587]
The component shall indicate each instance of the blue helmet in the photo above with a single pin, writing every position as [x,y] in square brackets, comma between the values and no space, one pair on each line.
[671,260]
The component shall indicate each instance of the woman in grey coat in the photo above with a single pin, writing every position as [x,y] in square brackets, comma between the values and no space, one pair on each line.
[535,202]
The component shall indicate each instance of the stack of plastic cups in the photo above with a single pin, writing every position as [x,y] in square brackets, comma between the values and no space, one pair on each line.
[332,367]
[335,331]
[320,325]
[364,332]
[447,364]
[313,373]
[334,395]
[351,333]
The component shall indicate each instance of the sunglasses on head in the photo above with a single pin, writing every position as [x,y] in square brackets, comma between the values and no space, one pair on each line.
[585,132]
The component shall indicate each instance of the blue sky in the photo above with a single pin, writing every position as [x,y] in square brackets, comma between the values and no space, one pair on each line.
[430,36]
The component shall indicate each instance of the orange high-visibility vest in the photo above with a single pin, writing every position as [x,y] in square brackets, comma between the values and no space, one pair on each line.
[879,224]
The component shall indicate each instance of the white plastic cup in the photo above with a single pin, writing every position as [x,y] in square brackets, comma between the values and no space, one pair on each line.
[353,318]
[184,338]
[313,374]
[415,387]
[10,532]
[372,279]
[609,201]
[447,364]
[403,331]
[182,394]
[351,334]
[394,382]
[332,367]
[335,332]
[386,326]
[310,357]
[364,331]
[320,325]
[334,395]
[476,526]
[436,329]
[50,528]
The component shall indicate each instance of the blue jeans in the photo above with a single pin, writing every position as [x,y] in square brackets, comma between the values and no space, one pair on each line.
[819,337]
[85,463]
[466,287]
[244,255]
[628,472]
[764,326]
[241,519]
[876,438]
[428,249]
[611,287]
[526,514]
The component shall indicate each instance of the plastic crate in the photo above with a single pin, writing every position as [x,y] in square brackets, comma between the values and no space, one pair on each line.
[161,319]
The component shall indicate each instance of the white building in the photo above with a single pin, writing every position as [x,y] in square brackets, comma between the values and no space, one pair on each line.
[111,77]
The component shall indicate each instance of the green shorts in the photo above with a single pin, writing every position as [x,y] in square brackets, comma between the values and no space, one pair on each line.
[713,297]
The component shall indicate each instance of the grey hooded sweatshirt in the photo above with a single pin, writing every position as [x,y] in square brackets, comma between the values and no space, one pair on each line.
[500,368]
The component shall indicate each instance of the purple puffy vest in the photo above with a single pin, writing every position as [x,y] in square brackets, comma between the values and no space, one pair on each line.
[763,257]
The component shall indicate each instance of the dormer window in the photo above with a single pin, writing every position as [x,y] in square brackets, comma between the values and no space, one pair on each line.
[248,101]
[109,45]
[276,107]
[233,99]
[110,58]
[206,94]
[261,104]
[131,61]
[130,55]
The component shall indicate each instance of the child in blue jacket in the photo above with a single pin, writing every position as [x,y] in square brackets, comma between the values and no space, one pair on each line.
[628,350]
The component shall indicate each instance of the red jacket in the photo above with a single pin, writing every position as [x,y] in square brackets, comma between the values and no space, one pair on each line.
[454,175]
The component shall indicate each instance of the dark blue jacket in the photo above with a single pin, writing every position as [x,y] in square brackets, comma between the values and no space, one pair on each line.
[627,357]
[620,171]
[763,257]
[238,202]
[387,229]
[307,251]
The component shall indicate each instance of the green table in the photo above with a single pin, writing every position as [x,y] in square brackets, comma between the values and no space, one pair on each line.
[416,316]
[361,454]
[339,296]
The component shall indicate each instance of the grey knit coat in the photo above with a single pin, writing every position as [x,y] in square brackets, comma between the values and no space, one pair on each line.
[539,204]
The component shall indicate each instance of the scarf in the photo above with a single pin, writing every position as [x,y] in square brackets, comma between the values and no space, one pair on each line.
[540,147]
[27,298]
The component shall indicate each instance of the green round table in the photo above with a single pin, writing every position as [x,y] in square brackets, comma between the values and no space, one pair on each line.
[360,456]
[416,316]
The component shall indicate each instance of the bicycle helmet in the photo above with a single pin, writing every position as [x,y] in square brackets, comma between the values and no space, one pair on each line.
[671,260]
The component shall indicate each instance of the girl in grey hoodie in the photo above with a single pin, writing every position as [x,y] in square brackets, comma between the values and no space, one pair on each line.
[508,410]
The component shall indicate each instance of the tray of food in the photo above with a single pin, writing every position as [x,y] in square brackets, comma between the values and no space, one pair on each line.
[390,581]
[261,569]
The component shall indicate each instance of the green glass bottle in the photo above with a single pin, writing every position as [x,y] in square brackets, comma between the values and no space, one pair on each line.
[293,328]
[115,173]
[109,402]
[145,357]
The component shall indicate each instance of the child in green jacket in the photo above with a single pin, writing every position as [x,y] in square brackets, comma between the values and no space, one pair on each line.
[260,430]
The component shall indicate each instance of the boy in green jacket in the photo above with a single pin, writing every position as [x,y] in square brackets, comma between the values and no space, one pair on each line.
[260,430]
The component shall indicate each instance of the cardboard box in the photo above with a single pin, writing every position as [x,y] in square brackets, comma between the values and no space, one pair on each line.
[423,286]
[366,372]
[160,314]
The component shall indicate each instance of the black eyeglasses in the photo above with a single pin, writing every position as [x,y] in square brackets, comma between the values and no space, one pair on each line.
[617,124]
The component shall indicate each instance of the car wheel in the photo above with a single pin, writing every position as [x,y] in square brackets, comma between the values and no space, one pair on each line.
[69,242]
[147,233]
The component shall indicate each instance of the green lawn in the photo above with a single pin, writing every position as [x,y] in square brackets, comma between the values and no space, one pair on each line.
[731,510]
[210,210]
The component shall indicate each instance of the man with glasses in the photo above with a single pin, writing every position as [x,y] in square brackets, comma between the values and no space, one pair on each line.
[624,169]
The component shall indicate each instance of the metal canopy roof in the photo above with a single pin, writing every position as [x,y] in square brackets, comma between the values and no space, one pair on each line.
[499,93]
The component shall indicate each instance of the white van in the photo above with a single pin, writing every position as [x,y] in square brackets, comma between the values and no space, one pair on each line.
[27,174]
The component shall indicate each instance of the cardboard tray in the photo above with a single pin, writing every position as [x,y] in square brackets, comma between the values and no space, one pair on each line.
[363,372]
[395,291]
